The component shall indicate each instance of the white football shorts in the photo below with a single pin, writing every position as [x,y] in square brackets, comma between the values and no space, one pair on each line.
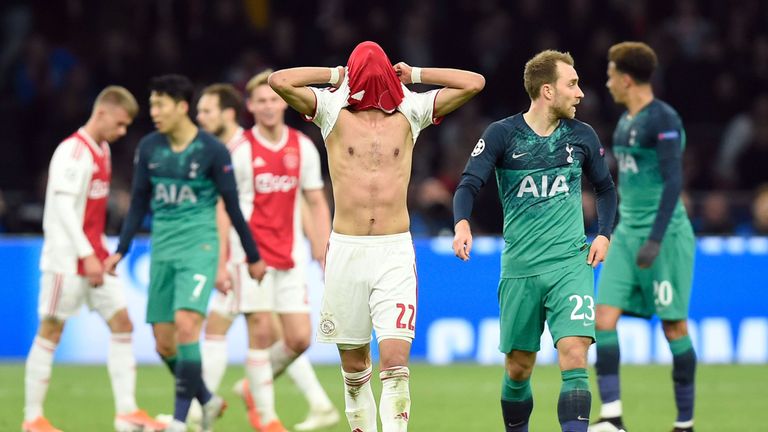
[370,284]
[62,295]
[281,291]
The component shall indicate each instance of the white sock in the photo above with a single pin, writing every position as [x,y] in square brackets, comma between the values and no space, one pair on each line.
[359,401]
[280,356]
[259,372]
[36,376]
[611,409]
[395,404]
[214,360]
[121,365]
[303,375]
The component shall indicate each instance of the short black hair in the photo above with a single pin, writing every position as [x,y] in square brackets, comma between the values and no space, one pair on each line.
[178,87]
[636,59]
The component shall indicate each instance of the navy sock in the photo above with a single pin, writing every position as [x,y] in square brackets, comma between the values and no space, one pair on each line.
[575,401]
[516,404]
[683,373]
[607,365]
[189,379]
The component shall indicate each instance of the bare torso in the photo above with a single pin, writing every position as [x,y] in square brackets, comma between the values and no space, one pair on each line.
[369,155]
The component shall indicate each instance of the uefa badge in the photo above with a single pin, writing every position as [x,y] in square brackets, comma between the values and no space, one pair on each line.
[479,147]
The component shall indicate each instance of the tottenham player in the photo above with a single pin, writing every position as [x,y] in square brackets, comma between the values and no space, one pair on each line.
[539,157]
[650,268]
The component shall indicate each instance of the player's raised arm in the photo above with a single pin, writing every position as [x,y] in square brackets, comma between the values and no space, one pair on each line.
[291,85]
[141,193]
[459,86]
[481,164]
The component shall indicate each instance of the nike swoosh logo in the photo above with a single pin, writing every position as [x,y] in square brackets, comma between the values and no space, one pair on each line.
[516,156]
[516,424]
[580,418]
[587,324]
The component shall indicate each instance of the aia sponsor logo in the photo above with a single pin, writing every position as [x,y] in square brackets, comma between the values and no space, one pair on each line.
[269,183]
[99,189]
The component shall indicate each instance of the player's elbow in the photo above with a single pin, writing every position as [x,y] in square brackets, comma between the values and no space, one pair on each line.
[278,81]
[476,84]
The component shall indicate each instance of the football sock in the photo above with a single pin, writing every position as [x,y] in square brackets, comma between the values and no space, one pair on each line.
[189,380]
[303,375]
[395,403]
[280,356]
[37,374]
[214,360]
[607,367]
[121,365]
[574,404]
[259,372]
[683,373]
[359,401]
[516,404]
[170,363]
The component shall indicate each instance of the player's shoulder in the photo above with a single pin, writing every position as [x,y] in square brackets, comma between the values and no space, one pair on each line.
[581,129]
[503,127]
[211,144]
[152,140]
[659,109]
[72,148]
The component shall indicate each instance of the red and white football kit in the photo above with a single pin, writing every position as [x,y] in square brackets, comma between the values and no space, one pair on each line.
[73,225]
[270,178]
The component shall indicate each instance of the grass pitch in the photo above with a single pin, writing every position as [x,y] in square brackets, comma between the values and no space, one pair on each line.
[457,398]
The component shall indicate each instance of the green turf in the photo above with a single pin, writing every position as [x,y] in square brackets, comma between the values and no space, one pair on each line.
[452,398]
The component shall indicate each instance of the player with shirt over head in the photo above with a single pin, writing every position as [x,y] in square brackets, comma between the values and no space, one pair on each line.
[275,166]
[180,172]
[539,158]
[650,268]
[72,262]
[370,122]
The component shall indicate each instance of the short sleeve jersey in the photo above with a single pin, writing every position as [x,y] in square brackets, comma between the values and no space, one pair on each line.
[418,108]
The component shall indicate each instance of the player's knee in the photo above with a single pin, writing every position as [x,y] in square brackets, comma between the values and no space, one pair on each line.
[572,355]
[51,329]
[674,329]
[519,371]
[121,322]
[606,317]
[165,349]
[297,344]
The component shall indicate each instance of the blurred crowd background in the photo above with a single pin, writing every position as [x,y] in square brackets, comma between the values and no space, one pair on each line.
[55,56]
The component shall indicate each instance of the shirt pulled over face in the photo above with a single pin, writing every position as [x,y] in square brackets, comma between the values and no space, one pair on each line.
[373,83]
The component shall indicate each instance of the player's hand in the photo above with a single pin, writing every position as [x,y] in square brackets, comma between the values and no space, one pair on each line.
[223,281]
[94,270]
[110,264]
[598,250]
[318,254]
[648,253]
[403,72]
[257,270]
[462,241]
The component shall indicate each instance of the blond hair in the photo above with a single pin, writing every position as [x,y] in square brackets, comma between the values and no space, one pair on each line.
[120,96]
[542,69]
[260,78]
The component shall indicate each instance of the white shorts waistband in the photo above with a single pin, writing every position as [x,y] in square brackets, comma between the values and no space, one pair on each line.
[372,240]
